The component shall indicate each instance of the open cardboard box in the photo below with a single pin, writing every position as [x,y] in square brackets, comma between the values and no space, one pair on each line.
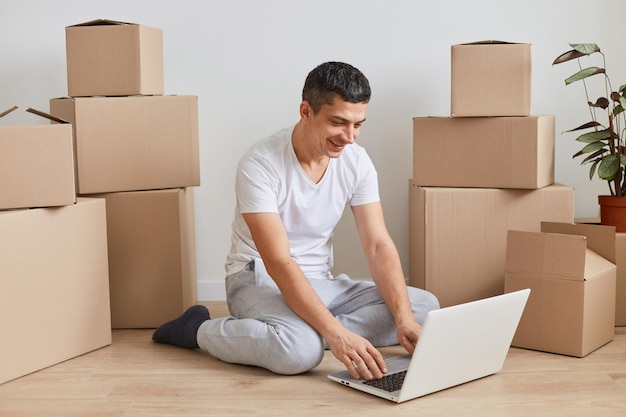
[620,261]
[571,271]
[36,164]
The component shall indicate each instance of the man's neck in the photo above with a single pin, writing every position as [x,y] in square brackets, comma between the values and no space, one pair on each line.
[313,164]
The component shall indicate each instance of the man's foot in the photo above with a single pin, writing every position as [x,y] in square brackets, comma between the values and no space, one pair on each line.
[183,331]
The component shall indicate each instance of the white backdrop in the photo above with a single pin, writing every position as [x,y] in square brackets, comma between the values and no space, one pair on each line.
[246,60]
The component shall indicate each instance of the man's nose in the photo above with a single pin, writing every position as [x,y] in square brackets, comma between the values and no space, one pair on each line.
[350,134]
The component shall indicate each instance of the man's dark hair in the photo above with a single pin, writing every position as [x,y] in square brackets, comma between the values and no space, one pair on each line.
[335,78]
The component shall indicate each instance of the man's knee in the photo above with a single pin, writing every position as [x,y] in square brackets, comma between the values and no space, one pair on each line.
[301,356]
[422,302]
[430,301]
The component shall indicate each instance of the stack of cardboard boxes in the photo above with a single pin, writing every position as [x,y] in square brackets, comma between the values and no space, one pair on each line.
[54,281]
[96,208]
[481,173]
[139,150]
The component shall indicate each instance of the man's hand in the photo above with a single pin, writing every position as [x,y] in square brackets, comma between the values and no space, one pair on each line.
[358,355]
[408,334]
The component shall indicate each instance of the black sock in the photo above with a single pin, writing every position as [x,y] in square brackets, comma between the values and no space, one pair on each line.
[183,330]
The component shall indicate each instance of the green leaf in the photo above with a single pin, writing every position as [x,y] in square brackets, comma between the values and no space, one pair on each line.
[596,156]
[567,56]
[585,126]
[621,88]
[608,167]
[618,109]
[622,159]
[592,137]
[584,73]
[580,50]
[585,48]
[592,170]
[592,147]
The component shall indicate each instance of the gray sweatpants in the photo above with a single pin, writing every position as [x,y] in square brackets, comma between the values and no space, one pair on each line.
[263,330]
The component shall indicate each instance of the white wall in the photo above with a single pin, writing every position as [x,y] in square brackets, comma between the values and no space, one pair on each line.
[246,61]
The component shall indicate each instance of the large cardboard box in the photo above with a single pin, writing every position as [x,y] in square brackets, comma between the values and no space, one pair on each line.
[36,165]
[133,143]
[490,152]
[108,58]
[571,308]
[491,78]
[152,256]
[54,285]
[458,235]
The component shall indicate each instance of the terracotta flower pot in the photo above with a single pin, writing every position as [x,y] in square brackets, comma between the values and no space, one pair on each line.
[613,211]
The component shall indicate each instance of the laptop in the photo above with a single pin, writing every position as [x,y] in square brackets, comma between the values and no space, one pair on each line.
[458,344]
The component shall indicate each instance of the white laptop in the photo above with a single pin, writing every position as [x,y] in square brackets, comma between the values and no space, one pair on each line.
[458,344]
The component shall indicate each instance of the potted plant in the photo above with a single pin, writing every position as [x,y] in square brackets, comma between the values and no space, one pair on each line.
[602,136]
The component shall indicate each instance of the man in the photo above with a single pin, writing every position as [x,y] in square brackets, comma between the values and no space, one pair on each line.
[292,189]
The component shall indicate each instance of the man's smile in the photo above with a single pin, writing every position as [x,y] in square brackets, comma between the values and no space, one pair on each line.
[336,143]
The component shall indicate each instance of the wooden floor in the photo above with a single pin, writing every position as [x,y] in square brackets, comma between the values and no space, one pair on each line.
[135,377]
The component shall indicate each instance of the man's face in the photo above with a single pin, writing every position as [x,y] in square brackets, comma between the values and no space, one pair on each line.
[335,126]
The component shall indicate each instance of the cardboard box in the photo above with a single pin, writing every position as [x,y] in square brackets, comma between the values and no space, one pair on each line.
[54,285]
[36,165]
[491,78]
[133,143]
[620,261]
[458,235]
[108,58]
[571,308]
[490,152]
[152,256]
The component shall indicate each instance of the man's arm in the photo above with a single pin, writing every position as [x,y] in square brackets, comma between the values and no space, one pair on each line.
[272,243]
[384,263]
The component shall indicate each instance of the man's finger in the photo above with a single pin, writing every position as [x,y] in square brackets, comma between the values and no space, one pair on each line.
[353,369]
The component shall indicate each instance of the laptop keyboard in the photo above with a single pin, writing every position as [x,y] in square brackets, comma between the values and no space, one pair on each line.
[389,382]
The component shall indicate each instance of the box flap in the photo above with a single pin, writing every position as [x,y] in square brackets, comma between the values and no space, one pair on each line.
[492,42]
[38,113]
[546,254]
[600,239]
[595,263]
[4,113]
[101,22]
[46,116]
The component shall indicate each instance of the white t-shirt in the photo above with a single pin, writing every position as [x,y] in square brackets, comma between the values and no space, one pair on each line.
[270,179]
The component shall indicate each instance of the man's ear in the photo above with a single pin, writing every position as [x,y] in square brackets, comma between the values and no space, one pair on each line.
[306,111]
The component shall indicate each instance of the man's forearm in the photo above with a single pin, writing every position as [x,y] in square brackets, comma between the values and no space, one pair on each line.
[387,274]
[301,297]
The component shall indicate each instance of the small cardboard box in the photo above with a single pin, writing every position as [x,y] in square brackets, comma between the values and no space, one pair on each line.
[620,261]
[489,152]
[571,308]
[133,143]
[54,285]
[108,58]
[152,256]
[36,164]
[491,78]
[457,236]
